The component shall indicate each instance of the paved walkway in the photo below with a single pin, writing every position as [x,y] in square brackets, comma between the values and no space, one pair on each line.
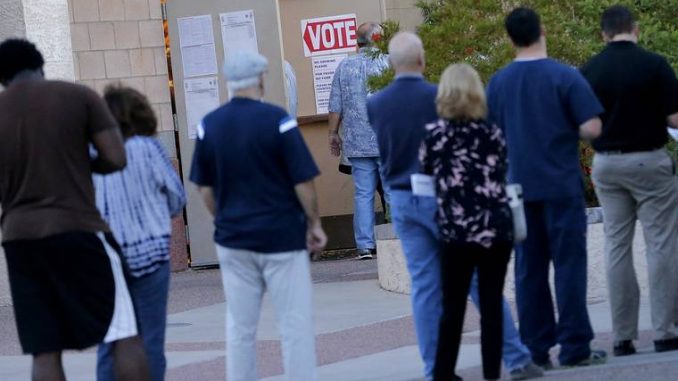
[363,333]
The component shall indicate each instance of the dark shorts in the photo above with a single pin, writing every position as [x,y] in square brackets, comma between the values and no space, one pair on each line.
[69,292]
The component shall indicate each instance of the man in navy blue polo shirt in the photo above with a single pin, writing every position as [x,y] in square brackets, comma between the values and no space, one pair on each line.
[544,107]
[256,176]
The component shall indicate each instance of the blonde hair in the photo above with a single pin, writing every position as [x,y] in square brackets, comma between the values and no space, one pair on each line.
[461,94]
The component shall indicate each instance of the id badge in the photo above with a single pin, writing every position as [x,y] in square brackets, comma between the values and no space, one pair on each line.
[423,185]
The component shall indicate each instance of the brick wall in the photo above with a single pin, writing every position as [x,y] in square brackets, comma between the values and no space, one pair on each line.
[122,41]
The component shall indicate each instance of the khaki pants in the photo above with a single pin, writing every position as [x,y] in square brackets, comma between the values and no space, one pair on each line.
[246,275]
[640,185]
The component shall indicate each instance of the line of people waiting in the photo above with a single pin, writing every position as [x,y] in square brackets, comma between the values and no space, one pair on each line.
[446,155]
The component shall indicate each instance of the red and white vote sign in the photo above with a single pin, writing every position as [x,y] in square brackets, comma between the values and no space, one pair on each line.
[329,35]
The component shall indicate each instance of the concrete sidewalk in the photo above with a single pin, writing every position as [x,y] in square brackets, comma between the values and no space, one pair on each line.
[363,333]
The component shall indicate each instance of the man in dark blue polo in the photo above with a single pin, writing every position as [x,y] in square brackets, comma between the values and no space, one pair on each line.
[544,107]
[399,114]
[256,177]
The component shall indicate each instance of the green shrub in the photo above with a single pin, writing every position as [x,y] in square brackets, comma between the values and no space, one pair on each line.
[472,31]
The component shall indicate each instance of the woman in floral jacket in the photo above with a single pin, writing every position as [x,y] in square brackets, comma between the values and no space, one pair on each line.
[466,155]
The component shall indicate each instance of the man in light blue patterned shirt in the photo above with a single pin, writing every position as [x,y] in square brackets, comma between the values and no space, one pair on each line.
[348,106]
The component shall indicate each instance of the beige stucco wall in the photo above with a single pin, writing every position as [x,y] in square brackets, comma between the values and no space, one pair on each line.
[45,23]
[405,12]
[12,19]
[122,41]
[47,26]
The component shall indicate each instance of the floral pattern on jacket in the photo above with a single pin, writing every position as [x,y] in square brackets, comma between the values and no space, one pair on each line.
[348,97]
[469,163]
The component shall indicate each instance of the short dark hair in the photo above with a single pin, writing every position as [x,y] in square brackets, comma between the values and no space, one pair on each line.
[17,55]
[132,110]
[616,20]
[523,26]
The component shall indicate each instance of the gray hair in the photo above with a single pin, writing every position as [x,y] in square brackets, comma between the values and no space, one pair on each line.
[405,49]
[243,69]
[365,33]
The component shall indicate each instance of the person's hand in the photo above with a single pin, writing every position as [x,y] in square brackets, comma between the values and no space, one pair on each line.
[335,143]
[316,239]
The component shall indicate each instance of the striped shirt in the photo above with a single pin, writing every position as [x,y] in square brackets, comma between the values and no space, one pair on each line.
[139,202]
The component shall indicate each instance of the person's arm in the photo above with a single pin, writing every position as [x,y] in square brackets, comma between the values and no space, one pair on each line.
[203,170]
[334,139]
[104,134]
[167,178]
[208,198]
[424,154]
[673,121]
[668,85]
[301,170]
[316,239]
[591,129]
[335,114]
[584,107]
[111,151]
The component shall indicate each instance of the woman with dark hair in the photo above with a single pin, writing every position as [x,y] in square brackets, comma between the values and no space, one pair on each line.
[138,204]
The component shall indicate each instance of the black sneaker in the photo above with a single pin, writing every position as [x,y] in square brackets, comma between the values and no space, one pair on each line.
[624,348]
[596,357]
[364,254]
[666,345]
[546,365]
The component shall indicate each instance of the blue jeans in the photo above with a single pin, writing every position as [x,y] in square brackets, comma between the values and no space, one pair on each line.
[414,221]
[557,232]
[365,172]
[149,294]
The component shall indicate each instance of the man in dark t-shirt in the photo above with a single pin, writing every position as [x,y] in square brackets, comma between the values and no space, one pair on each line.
[544,107]
[256,176]
[635,177]
[65,271]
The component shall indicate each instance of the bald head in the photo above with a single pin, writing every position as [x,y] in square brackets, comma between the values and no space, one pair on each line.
[406,52]
[365,33]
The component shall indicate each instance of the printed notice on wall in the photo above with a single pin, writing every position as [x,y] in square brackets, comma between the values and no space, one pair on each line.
[196,38]
[323,73]
[239,31]
[202,97]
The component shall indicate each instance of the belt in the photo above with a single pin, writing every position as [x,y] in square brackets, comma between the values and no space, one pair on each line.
[627,150]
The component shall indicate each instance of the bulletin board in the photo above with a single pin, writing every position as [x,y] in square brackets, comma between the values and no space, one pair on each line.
[292,13]
[201,33]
